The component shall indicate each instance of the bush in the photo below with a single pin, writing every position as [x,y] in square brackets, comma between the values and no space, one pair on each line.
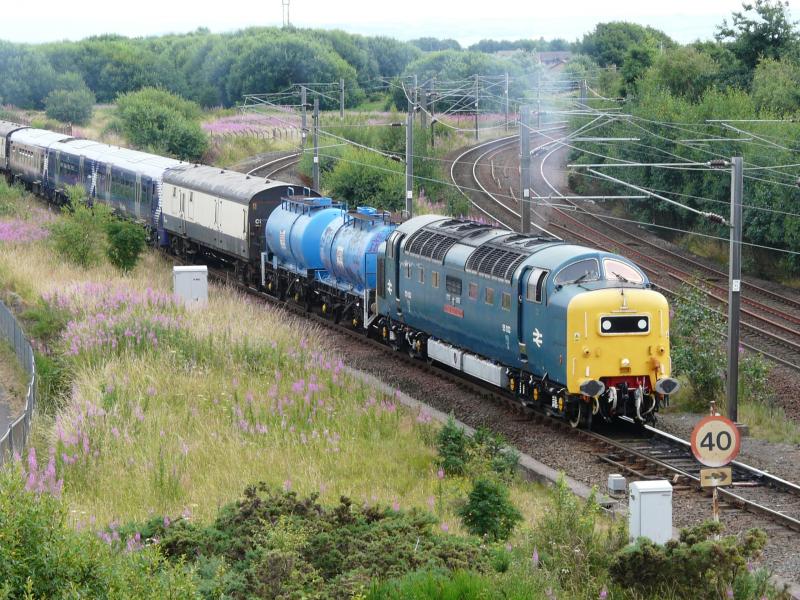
[489,511]
[363,177]
[70,106]
[80,236]
[41,556]
[274,544]
[483,454]
[126,241]
[161,122]
[695,565]
[571,544]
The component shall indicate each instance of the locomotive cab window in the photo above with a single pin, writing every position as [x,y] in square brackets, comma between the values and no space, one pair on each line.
[587,269]
[620,271]
[489,296]
[473,291]
[535,291]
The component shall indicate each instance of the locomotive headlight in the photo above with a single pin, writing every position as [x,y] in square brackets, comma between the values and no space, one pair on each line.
[606,324]
[642,324]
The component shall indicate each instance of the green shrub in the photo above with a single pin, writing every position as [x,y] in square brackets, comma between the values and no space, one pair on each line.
[489,512]
[364,177]
[70,106]
[126,241]
[569,542]
[695,565]
[11,196]
[162,122]
[41,556]
[80,236]
[451,444]
[274,544]
[483,454]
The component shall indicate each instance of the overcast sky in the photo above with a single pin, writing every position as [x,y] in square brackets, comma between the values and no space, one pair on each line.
[465,20]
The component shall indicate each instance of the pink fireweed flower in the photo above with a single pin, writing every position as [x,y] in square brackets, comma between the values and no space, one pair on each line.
[535,558]
[445,527]
[604,594]
[440,474]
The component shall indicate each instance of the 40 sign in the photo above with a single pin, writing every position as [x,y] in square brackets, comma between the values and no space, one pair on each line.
[715,441]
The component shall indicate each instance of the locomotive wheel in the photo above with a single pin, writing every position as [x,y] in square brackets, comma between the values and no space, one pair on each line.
[575,414]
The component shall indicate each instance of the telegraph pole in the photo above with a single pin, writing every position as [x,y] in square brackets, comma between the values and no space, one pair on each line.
[476,108]
[506,95]
[423,101]
[433,109]
[315,169]
[341,98]
[410,160]
[734,287]
[525,167]
[303,127]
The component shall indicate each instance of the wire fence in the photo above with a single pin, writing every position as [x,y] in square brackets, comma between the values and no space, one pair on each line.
[13,440]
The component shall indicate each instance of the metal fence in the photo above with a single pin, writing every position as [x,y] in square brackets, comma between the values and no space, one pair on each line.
[14,439]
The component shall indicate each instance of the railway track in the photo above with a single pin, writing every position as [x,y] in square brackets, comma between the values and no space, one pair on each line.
[269,169]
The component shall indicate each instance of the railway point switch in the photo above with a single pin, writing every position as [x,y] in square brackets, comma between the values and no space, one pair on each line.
[650,510]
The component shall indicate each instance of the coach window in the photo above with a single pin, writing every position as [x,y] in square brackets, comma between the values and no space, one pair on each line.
[421,275]
[536,285]
[453,285]
[435,279]
[505,301]
[473,291]
[489,296]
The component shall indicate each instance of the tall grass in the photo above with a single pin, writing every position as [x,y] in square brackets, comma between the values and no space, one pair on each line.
[174,411]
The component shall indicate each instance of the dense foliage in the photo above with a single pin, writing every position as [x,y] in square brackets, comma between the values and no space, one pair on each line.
[275,544]
[126,242]
[697,565]
[163,123]
[674,94]
[43,556]
[698,335]
[70,106]
[210,69]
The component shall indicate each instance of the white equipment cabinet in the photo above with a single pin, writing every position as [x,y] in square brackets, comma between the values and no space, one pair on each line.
[191,284]
[650,510]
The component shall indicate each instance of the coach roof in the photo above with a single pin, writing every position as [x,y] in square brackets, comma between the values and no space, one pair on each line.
[221,183]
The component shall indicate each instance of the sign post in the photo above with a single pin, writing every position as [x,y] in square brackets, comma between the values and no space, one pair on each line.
[715,443]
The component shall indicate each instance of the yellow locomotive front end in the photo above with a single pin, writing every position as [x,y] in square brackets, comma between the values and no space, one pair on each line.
[617,352]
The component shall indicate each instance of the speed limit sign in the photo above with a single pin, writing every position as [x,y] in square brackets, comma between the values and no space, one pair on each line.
[715,441]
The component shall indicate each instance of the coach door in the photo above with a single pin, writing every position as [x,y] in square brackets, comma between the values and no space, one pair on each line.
[137,196]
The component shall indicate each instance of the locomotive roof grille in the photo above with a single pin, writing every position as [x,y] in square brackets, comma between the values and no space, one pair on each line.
[434,241]
[495,261]
[430,244]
